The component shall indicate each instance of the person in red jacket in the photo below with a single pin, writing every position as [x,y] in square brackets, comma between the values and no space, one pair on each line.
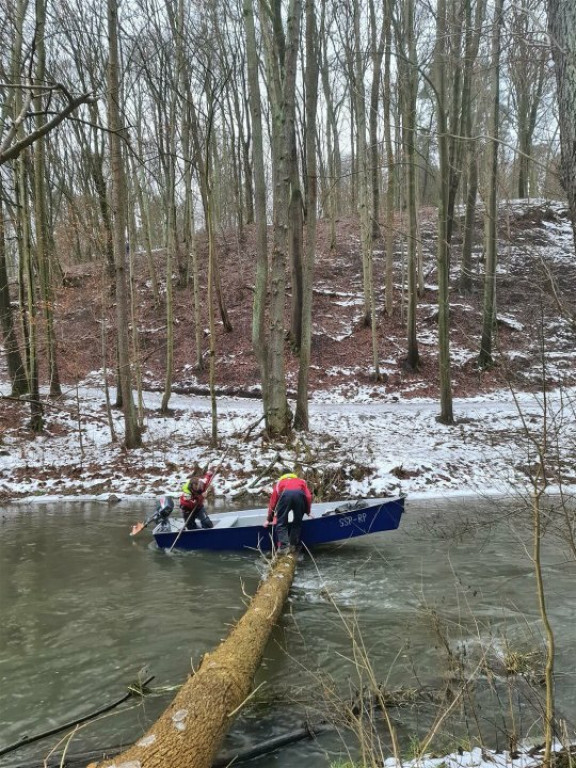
[192,502]
[290,494]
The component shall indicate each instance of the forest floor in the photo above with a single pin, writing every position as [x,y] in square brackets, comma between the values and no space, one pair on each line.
[352,414]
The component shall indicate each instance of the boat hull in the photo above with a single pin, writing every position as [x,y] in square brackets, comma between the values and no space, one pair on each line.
[234,531]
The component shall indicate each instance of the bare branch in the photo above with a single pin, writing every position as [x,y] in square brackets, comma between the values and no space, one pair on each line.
[10,153]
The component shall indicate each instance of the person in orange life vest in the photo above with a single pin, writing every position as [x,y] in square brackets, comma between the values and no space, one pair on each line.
[192,502]
[290,494]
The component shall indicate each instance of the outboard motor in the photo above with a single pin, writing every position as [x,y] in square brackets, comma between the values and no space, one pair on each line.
[164,507]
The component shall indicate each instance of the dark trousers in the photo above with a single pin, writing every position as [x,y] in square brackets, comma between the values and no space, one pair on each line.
[289,533]
[199,515]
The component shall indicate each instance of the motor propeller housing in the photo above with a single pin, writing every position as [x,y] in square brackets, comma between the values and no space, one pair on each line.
[164,507]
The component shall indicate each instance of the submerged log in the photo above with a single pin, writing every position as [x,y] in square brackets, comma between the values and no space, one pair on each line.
[190,731]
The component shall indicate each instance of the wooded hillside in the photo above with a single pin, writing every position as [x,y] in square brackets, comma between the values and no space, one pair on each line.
[231,196]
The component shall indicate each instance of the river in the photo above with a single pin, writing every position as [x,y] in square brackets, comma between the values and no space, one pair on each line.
[435,608]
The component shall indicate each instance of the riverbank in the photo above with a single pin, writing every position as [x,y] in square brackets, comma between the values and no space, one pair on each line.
[355,448]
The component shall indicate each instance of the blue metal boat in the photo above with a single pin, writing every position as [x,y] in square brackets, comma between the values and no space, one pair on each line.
[245,530]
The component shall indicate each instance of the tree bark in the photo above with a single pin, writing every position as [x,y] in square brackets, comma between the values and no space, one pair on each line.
[390,163]
[562,25]
[377,54]
[472,36]
[28,293]
[485,359]
[43,255]
[443,244]
[133,436]
[259,341]
[190,731]
[311,84]
[296,246]
[334,160]
[12,152]
[357,69]
[528,67]
[16,369]
[283,60]
[170,171]
[296,259]
[408,97]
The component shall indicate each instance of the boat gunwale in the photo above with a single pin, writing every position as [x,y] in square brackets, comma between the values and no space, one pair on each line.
[323,515]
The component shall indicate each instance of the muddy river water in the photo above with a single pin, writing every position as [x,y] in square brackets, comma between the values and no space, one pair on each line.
[432,613]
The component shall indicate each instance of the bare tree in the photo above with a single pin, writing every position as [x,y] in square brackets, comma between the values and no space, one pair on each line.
[132,435]
[408,68]
[377,46]
[332,197]
[311,84]
[485,358]
[562,25]
[16,369]
[259,343]
[528,67]
[390,158]
[282,58]
[472,27]
[443,246]
[43,255]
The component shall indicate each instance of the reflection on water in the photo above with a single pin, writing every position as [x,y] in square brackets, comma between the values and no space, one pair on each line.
[447,598]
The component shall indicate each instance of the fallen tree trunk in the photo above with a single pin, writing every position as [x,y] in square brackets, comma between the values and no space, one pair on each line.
[190,731]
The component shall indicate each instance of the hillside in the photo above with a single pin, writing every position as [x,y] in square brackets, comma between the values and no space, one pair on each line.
[535,294]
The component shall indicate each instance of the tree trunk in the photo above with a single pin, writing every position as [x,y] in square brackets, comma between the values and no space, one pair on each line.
[190,731]
[473,27]
[283,59]
[390,164]
[138,180]
[377,53]
[190,233]
[562,24]
[96,166]
[454,106]
[408,98]
[16,370]
[470,220]
[491,227]
[22,227]
[364,190]
[443,244]
[296,253]
[334,161]
[295,245]
[171,245]
[259,343]
[28,292]
[311,84]
[226,322]
[170,171]
[528,68]
[205,168]
[210,288]
[40,219]
[132,436]
[357,69]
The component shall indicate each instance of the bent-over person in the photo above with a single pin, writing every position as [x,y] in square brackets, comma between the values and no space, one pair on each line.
[192,502]
[290,494]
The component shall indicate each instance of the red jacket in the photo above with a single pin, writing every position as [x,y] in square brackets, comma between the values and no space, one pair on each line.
[288,483]
[192,499]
